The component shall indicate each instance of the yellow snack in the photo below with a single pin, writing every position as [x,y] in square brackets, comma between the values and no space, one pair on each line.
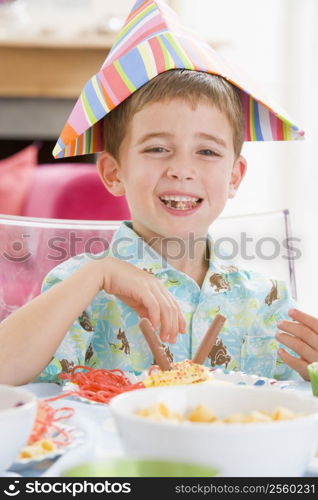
[282,413]
[160,411]
[39,448]
[201,414]
[236,418]
[183,372]
[259,416]
[252,417]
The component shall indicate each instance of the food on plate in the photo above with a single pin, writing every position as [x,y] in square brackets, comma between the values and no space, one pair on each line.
[209,339]
[160,412]
[154,344]
[47,434]
[45,421]
[182,372]
[38,448]
[158,350]
[201,413]
[98,385]
[101,385]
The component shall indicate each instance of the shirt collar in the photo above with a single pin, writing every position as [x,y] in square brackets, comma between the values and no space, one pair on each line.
[127,245]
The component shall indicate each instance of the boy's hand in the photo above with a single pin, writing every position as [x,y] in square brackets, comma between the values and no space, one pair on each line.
[145,294]
[300,335]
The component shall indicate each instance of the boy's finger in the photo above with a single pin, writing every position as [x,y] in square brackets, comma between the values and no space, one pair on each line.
[301,331]
[304,318]
[299,365]
[166,320]
[175,315]
[298,346]
[152,305]
[179,323]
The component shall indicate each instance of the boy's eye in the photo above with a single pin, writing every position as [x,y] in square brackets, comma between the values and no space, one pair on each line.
[208,152]
[156,149]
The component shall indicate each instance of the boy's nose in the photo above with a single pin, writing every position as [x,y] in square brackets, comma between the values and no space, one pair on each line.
[180,172]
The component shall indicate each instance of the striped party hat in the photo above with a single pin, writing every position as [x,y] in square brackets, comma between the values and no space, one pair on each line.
[151,42]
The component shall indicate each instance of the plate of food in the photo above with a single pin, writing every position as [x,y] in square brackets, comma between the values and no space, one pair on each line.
[54,433]
[99,386]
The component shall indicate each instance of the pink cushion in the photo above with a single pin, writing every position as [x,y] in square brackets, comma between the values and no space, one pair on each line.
[16,176]
[72,191]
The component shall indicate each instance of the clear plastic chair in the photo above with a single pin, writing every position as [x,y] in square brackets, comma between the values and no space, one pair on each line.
[260,242]
[30,247]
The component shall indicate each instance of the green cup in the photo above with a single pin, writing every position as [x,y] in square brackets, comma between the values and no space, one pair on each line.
[134,467]
[313,375]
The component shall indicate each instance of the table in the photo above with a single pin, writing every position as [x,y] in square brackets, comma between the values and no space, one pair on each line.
[101,438]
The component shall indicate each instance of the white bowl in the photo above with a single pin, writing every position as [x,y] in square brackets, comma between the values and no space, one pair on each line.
[16,422]
[280,448]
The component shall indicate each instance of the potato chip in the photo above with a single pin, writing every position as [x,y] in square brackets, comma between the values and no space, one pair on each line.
[201,414]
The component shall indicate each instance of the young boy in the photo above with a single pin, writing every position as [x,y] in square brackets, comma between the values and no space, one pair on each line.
[174,149]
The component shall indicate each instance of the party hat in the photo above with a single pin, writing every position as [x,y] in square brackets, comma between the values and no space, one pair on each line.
[151,42]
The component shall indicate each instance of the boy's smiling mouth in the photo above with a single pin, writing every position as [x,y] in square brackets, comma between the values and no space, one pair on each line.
[180,202]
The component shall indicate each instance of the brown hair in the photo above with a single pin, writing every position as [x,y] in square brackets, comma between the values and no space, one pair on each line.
[186,84]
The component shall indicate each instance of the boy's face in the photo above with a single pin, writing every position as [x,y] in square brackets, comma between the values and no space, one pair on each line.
[177,168]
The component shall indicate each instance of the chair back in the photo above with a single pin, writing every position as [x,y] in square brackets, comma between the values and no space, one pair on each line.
[259,242]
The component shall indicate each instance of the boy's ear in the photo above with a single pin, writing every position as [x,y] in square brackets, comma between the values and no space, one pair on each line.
[238,172]
[109,171]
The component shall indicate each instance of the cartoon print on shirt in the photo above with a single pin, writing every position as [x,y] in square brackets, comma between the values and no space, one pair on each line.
[168,353]
[219,283]
[85,322]
[219,355]
[273,294]
[124,342]
[66,365]
[124,346]
[89,353]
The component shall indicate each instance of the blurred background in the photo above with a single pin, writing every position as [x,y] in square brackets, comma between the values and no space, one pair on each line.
[49,48]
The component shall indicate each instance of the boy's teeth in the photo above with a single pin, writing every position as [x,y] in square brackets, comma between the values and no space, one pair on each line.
[180,202]
[179,198]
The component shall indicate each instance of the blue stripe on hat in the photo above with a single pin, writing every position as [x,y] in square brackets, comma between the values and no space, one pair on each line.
[134,67]
[258,130]
[94,103]
[139,2]
[174,55]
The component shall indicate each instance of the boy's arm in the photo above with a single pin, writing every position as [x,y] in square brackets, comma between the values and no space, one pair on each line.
[30,336]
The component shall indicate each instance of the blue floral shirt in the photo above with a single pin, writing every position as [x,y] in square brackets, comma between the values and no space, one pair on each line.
[107,335]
